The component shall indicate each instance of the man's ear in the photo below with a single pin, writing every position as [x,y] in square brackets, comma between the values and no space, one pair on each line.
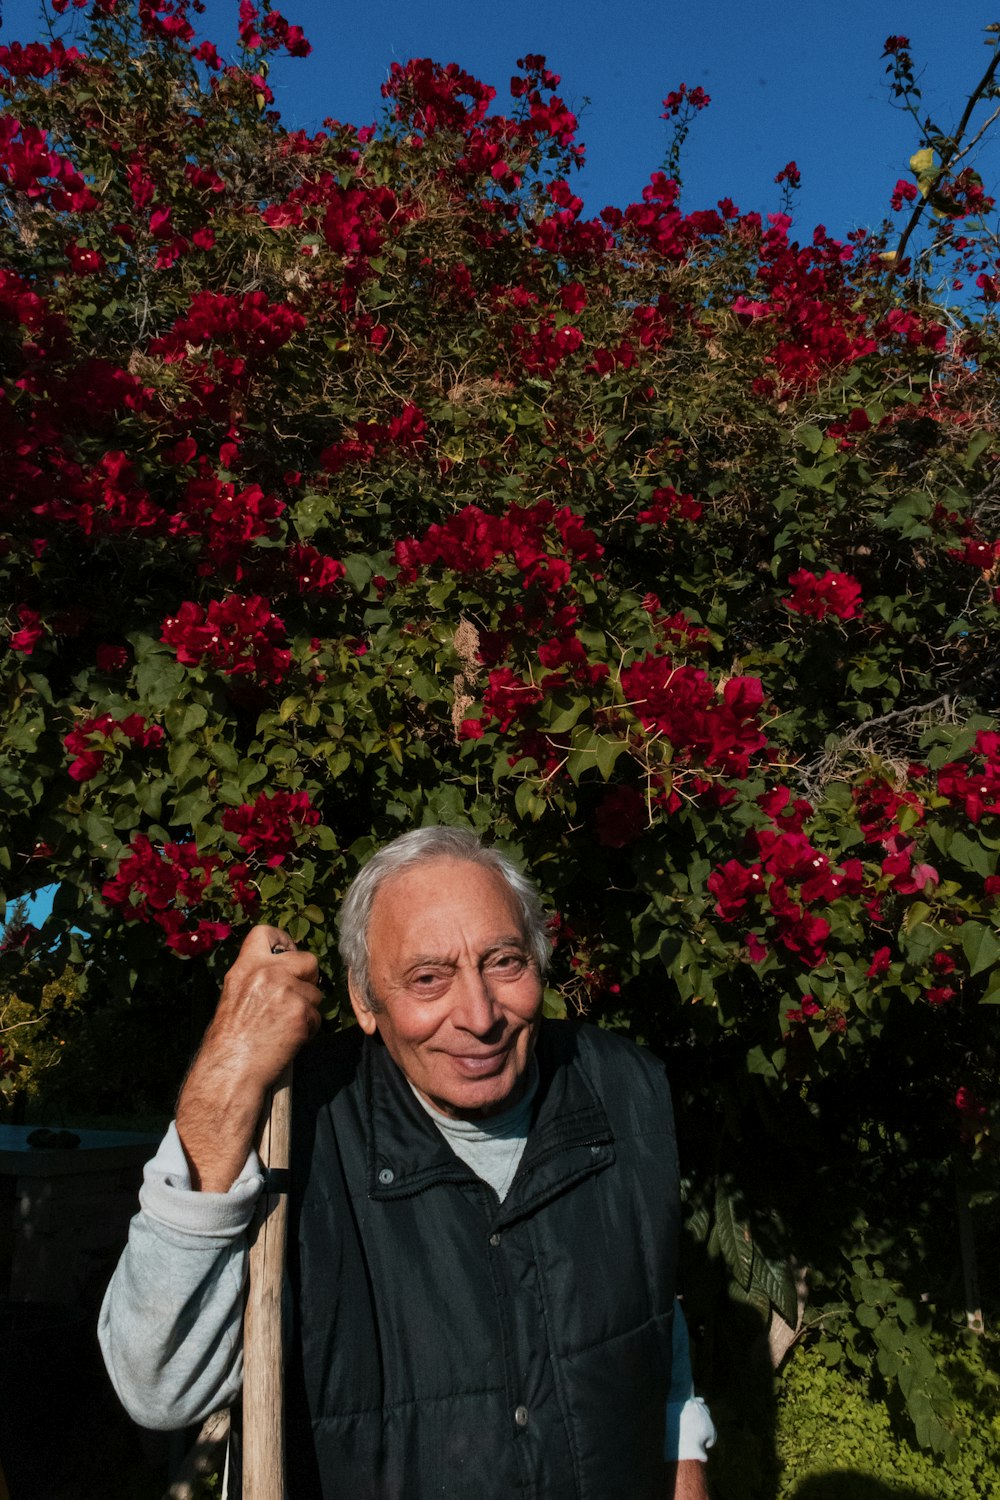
[365,1017]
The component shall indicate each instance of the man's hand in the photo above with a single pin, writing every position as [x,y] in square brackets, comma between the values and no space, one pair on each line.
[268,1009]
[687,1478]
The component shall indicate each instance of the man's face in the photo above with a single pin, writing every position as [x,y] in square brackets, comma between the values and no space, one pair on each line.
[459,992]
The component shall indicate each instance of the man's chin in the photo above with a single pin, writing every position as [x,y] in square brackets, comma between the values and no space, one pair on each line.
[481,1095]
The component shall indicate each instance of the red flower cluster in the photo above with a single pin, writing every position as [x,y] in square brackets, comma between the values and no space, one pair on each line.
[406,433]
[681,703]
[817,323]
[977,553]
[666,503]
[473,542]
[247,323]
[110,658]
[621,817]
[36,60]
[658,225]
[226,518]
[901,324]
[109,732]
[903,192]
[806,1011]
[164,885]
[272,32]
[507,697]
[785,858]
[31,632]
[27,166]
[880,806]
[542,349]
[311,571]
[268,827]
[834,594]
[975,790]
[238,635]
[430,97]
[675,101]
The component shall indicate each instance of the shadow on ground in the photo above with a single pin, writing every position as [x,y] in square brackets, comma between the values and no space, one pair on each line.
[848,1485]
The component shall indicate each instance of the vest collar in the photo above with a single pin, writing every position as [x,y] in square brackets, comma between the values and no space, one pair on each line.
[569,1137]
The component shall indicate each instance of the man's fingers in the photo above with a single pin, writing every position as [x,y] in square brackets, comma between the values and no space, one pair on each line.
[263,940]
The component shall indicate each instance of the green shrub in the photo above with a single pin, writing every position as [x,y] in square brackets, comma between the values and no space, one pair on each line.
[830,1422]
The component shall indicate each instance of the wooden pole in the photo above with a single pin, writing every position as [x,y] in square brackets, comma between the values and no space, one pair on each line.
[263,1375]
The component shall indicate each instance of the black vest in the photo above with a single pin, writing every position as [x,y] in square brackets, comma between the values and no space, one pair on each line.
[448,1345]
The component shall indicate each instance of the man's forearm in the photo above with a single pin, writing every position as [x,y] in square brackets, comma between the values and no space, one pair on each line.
[686,1480]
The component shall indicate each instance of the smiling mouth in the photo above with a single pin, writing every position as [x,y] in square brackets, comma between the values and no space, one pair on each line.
[477,1063]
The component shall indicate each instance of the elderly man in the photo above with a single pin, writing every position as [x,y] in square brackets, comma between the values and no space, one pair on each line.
[483,1213]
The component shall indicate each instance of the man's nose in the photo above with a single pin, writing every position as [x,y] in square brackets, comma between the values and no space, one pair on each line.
[475,1009]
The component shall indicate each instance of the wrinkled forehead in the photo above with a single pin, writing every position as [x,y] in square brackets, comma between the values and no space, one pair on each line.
[443,901]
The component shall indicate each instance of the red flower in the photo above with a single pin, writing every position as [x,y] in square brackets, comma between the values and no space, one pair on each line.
[311,571]
[903,192]
[509,697]
[31,632]
[83,261]
[756,949]
[881,959]
[835,593]
[164,885]
[267,827]
[681,703]
[572,297]
[621,817]
[696,98]
[732,885]
[90,757]
[110,658]
[666,504]
[238,635]
[977,553]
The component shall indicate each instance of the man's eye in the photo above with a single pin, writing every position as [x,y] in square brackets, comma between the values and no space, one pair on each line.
[508,962]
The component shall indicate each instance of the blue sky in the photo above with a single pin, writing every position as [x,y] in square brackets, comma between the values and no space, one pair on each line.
[800,81]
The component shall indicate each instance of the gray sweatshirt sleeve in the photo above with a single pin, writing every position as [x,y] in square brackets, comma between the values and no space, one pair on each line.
[172,1320]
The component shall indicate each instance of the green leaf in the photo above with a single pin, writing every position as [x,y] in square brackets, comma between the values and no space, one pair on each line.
[583,756]
[777,1282]
[977,443]
[992,994]
[915,914]
[185,719]
[735,1240]
[528,805]
[608,751]
[565,718]
[980,945]
[359,569]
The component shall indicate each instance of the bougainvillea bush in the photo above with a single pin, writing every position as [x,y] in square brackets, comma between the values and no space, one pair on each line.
[358,480]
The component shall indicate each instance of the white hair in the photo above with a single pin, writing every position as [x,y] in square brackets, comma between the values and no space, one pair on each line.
[414,848]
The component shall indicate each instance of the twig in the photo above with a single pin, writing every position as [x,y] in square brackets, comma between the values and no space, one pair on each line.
[948,155]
